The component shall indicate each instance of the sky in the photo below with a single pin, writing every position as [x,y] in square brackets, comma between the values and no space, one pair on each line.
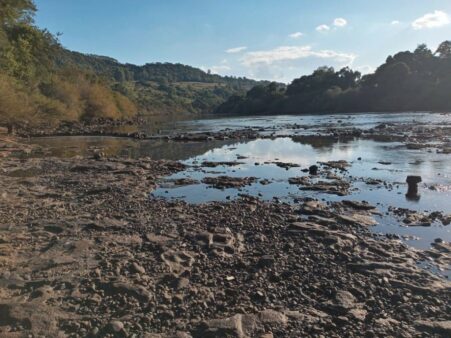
[260,39]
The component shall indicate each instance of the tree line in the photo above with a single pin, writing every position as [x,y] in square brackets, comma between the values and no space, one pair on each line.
[408,81]
[34,89]
[41,82]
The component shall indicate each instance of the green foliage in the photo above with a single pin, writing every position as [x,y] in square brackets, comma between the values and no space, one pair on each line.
[13,101]
[444,50]
[417,81]
[35,88]
[16,11]
[41,82]
[161,88]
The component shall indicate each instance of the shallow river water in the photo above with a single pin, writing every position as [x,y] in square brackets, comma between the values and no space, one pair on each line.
[390,162]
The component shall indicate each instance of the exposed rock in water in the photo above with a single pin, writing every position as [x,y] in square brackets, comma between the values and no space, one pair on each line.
[223,182]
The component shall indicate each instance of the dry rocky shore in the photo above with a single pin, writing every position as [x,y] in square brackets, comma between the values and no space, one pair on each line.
[85,252]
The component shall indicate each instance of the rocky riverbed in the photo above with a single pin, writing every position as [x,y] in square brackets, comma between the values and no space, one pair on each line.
[85,251]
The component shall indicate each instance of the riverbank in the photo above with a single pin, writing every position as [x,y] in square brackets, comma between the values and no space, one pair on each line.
[85,251]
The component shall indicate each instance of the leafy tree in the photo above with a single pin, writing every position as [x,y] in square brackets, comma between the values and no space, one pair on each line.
[423,50]
[444,50]
[418,80]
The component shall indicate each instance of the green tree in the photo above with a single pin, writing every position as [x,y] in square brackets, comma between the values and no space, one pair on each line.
[444,50]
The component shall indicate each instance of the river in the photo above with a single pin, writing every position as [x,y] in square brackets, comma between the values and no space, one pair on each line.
[385,161]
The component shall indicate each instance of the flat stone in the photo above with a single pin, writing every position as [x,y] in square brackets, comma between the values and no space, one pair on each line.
[436,327]
[116,326]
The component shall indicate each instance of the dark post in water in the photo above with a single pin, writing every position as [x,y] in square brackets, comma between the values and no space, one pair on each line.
[412,191]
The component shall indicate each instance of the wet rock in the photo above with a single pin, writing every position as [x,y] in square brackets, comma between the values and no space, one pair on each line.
[313,170]
[337,187]
[180,182]
[358,205]
[357,219]
[210,164]
[304,180]
[225,182]
[286,165]
[341,165]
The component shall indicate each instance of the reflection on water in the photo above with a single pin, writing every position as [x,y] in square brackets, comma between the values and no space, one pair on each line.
[390,162]
[70,146]
[256,159]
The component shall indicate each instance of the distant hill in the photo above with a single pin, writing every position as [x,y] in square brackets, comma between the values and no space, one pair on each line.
[158,72]
[161,88]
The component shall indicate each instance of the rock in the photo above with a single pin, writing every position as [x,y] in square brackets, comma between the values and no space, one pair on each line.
[227,327]
[221,244]
[226,182]
[137,291]
[181,283]
[178,261]
[345,299]
[435,327]
[209,164]
[359,314]
[357,219]
[358,205]
[243,325]
[98,155]
[286,165]
[116,326]
[273,317]
[303,180]
[341,165]
[313,170]
[136,268]
[267,335]
[178,334]
[266,261]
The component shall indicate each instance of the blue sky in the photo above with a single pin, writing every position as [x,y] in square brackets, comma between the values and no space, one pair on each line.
[262,39]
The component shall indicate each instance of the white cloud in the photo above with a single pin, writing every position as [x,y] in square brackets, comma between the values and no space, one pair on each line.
[323,28]
[340,22]
[296,35]
[395,22]
[287,53]
[366,69]
[236,50]
[431,20]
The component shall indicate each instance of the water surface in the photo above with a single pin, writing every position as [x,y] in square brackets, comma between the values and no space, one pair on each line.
[390,162]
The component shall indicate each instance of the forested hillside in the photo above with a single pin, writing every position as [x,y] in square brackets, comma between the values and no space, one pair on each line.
[161,88]
[42,82]
[408,81]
